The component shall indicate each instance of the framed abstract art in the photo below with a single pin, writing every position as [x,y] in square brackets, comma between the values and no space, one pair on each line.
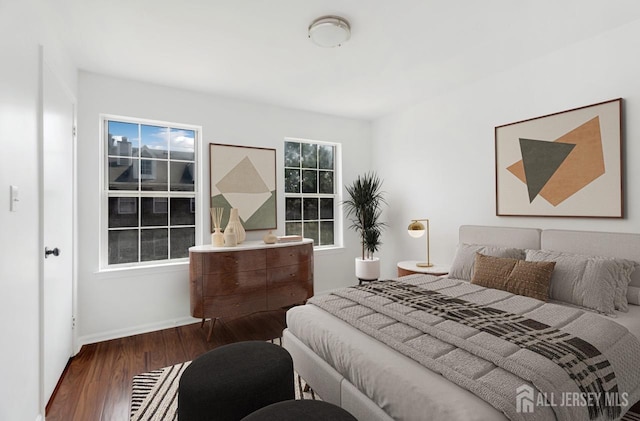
[566,164]
[244,177]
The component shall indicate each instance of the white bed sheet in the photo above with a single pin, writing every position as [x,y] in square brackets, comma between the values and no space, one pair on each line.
[630,320]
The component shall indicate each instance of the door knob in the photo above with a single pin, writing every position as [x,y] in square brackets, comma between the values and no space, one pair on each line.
[48,251]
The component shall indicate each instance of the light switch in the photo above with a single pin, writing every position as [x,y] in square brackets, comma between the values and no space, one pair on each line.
[14,199]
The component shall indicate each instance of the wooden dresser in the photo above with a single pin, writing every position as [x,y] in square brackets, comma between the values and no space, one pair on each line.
[251,277]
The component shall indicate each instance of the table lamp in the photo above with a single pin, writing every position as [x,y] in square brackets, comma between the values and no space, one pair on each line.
[416,229]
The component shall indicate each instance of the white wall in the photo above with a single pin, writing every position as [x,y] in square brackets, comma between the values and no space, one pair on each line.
[113,304]
[441,165]
[21,35]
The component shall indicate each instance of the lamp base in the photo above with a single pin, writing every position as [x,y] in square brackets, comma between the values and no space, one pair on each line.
[424,265]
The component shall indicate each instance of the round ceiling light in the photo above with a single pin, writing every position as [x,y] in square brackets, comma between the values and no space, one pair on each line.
[329,31]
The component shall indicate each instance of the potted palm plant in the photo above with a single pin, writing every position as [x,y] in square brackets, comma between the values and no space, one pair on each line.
[363,208]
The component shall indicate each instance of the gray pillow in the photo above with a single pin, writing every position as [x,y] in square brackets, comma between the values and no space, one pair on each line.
[463,263]
[593,282]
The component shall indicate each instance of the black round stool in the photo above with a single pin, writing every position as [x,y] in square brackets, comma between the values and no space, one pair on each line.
[307,410]
[232,381]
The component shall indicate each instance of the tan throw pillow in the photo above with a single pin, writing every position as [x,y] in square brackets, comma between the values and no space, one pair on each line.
[531,279]
[492,272]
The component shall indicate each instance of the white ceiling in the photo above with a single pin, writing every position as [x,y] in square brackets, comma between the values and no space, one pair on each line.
[400,51]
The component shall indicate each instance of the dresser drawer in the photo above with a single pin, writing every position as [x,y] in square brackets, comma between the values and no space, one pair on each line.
[284,256]
[229,283]
[234,261]
[286,294]
[235,305]
[293,273]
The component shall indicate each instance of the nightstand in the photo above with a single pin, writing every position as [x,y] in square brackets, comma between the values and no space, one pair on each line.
[408,267]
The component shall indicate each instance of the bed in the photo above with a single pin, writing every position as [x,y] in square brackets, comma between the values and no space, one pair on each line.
[383,379]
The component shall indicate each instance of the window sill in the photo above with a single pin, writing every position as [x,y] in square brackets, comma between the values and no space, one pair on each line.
[328,250]
[151,269]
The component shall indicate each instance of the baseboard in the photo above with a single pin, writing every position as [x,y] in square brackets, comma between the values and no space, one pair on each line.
[135,330]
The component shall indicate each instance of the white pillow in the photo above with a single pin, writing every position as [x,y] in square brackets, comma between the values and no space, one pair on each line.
[463,263]
[595,282]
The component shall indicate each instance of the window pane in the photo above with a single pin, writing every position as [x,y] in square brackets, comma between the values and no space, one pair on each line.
[123,212]
[326,182]
[182,211]
[154,244]
[123,246]
[155,211]
[182,176]
[153,175]
[123,174]
[311,231]
[310,209]
[326,233]
[309,181]
[122,139]
[182,144]
[181,240]
[293,211]
[154,142]
[309,155]
[291,154]
[291,181]
[326,208]
[325,157]
[293,228]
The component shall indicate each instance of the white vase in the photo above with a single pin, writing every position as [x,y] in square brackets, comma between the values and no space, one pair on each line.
[270,238]
[367,269]
[230,239]
[238,229]
[217,238]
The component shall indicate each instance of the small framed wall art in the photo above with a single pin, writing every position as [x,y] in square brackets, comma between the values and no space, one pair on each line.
[244,178]
[566,164]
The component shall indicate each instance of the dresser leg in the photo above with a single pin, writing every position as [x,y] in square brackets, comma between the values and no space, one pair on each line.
[202,322]
[213,323]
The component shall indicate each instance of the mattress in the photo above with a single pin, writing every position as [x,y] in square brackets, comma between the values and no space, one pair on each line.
[403,388]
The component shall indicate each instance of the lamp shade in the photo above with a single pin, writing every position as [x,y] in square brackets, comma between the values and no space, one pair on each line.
[416,229]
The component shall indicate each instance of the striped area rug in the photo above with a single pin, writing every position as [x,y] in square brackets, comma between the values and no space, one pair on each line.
[154,396]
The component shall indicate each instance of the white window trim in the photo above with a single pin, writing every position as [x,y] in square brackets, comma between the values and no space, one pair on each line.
[103,214]
[338,231]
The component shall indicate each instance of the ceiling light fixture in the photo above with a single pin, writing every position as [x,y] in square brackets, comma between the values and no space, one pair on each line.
[329,31]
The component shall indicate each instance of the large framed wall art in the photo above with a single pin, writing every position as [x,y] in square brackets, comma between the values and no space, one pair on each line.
[567,164]
[244,177]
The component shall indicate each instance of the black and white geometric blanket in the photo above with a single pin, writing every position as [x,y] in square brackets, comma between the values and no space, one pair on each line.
[500,342]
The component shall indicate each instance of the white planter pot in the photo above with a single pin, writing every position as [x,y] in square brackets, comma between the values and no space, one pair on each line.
[367,269]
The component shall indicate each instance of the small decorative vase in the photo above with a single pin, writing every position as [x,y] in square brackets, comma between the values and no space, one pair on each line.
[217,238]
[238,229]
[230,239]
[270,238]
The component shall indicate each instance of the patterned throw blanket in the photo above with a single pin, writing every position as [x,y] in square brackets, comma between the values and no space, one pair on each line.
[578,365]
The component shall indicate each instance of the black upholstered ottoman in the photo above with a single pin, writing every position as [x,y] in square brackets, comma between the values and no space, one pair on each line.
[235,380]
[307,410]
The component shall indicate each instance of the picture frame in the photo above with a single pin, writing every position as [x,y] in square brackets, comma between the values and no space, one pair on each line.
[244,177]
[566,164]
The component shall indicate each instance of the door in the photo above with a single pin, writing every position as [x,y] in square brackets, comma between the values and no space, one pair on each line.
[57,207]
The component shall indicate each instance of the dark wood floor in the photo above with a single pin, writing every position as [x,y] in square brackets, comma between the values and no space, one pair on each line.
[96,385]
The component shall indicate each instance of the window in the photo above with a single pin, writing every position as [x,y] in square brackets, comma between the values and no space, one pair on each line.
[149,191]
[311,180]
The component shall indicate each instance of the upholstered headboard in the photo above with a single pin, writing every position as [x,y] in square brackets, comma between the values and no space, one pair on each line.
[593,243]
[522,238]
